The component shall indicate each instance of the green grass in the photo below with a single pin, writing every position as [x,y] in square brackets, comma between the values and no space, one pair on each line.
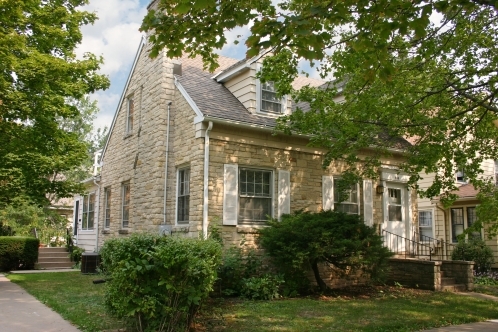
[401,310]
[79,301]
[73,296]
[486,289]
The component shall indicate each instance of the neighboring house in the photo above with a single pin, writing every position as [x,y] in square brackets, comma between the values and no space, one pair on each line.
[188,149]
[445,224]
[85,217]
[64,208]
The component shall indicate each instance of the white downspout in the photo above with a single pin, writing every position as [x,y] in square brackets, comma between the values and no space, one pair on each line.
[98,214]
[206,182]
[166,165]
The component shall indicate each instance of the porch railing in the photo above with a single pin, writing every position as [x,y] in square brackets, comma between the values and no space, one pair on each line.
[402,246]
[442,250]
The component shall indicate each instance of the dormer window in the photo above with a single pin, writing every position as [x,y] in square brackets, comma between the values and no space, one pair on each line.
[269,101]
[460,175]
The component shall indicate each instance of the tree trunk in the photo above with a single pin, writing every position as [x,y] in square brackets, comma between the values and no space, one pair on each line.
[319,281]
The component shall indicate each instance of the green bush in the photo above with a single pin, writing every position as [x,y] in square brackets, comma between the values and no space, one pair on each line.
[76,254]
[6,230]
[18,253]
[474,250]
[159,282]
[303,240]
[265,287]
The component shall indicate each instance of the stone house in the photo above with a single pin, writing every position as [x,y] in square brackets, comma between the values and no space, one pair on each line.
[188,149]
[440,226]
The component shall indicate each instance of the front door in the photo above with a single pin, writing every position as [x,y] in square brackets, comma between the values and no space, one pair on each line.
[395,218]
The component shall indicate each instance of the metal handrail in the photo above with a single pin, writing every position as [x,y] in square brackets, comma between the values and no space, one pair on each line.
[400,245]
[446,247]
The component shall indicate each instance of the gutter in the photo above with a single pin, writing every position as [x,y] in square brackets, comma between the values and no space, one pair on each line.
[166,165]
[206,182]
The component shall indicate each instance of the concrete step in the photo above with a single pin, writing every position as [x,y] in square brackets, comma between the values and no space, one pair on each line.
[54,265]
[53,259]
[454,288]
[53,254]
[447,281]
[52,249]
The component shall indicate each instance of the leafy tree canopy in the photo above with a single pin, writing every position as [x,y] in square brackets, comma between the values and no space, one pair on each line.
[422,70]
[39,76]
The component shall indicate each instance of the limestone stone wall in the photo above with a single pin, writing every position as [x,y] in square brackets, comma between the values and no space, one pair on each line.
[415,273]
[138,157]
[462,271]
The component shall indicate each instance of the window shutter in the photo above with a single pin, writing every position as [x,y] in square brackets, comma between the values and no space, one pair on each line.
[230,194]
[283,193]
[328,192]
[368,202]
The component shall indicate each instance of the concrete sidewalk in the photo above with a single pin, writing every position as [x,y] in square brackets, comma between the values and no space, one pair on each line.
[21,312]
[489,326]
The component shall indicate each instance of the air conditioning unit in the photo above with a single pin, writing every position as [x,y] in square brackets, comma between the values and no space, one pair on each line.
[89,262]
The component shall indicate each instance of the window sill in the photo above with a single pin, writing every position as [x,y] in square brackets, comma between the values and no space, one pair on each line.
[106,231]
[128,135]
[180,229]
[250,229]
[123,231]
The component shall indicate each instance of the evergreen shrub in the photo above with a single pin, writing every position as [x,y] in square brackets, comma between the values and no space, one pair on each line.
[474,250]
[18,253]
[159,282]
[303,240]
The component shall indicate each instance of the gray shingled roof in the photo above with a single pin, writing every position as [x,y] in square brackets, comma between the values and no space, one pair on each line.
[214,100]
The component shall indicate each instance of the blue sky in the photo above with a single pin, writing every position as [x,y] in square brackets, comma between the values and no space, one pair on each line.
[115,36]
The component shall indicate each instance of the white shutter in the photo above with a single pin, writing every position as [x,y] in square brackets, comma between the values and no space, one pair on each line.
[327,192]
[230,194]
[283,193]
[368,202]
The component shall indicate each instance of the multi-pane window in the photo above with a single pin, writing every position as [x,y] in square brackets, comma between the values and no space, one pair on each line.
[269,100]
[394,205]
[461,219]
[129,115]
[183,196]
[346,200]
[107,205]
[125,205]
[460,175]
[255,195]
[457,223]
[471,219]
[88,212]
[425,225]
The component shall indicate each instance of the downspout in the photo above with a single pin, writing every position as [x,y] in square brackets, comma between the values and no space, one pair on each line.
[444,226]
[98,214]
[206,182]
[96,164]
[166,165]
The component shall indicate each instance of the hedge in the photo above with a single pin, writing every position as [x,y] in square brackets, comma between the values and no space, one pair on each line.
[18,253]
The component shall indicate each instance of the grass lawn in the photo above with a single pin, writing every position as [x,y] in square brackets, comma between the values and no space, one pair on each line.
[78,300]
[487,289]
[73,296]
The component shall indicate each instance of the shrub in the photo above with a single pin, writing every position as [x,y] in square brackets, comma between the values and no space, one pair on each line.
[474,250]
[6,230]
[265,287]
[76,254]
[159,282]
[303,240]
[486,278]
[18,252]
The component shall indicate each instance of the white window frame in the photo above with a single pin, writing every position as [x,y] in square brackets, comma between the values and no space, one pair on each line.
[432,226]
[465,220]
[179,195]
[347,202]
[88,211]
[129,124]
[125,204]
[107,207]
[239,196]
[259,100]
[460,172]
